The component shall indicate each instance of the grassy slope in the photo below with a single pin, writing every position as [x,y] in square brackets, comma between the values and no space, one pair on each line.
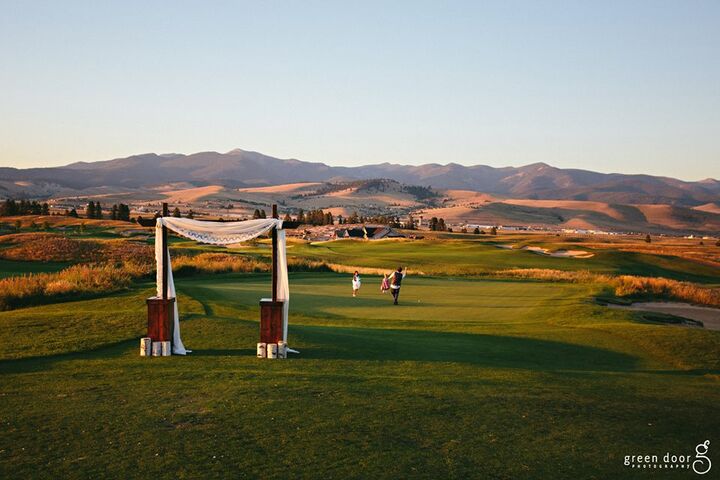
[493,379]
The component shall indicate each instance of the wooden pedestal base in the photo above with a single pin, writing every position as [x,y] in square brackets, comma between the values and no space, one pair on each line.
[160,319]
[271,321]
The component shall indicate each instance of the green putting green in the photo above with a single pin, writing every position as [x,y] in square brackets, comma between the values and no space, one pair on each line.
[464,379]
[463,257]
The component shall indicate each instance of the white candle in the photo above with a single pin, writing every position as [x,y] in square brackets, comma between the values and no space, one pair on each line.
[145,347]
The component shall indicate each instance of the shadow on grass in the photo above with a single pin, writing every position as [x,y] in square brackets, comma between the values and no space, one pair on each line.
[490,351]
[367,344]
[38,363]
[223,352]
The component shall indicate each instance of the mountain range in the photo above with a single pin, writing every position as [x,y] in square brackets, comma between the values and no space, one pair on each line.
[242,169]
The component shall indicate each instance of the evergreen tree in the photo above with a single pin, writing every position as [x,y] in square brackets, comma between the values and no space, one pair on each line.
[7,208]
[98,211]
[647,238]
[190,214]
[73,213]
[476,231]
[493,231]
[45,209]
[263,214]
[176,212]
[256,214]
[441,225]
[301,216]
[123,212]
[114,212]
[90,210]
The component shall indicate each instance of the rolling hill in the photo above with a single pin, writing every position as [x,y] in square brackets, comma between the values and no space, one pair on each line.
[240,168]
[239,181]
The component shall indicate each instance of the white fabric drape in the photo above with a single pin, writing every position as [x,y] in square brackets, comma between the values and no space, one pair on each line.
[283,291]
[219,233]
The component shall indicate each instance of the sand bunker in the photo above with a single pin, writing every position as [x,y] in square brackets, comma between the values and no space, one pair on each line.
[708,315]
[560,253]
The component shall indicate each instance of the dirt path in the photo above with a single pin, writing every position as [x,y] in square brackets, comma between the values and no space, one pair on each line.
[708,315]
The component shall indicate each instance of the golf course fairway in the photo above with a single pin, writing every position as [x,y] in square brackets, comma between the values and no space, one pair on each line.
[465,378]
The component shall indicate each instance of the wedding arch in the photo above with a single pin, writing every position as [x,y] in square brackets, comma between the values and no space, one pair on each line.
[163,318]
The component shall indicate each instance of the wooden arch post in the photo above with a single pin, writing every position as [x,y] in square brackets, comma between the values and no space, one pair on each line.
[271,310]
[161,309]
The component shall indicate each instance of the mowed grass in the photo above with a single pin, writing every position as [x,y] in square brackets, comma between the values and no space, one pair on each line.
[463,257]
[465,379]
[12,268]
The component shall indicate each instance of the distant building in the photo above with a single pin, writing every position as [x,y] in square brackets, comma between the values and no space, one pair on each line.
[366,232]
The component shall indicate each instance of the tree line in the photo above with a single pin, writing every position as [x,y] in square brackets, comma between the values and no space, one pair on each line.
[117,211]
[313,217]
[11,208]
[320,217]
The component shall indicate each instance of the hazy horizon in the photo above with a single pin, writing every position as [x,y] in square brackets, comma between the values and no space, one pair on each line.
[355,165]
[617,87]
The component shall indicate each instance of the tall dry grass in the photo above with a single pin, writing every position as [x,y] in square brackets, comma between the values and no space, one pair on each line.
[90,279]
[217,263]
[225,263]
[631,286]
[625,286]
[78,280]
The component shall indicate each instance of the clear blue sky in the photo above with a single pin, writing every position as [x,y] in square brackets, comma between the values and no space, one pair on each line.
[628,86]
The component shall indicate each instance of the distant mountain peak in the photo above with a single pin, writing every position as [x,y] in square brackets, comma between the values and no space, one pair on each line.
[536,166]
[536,180]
